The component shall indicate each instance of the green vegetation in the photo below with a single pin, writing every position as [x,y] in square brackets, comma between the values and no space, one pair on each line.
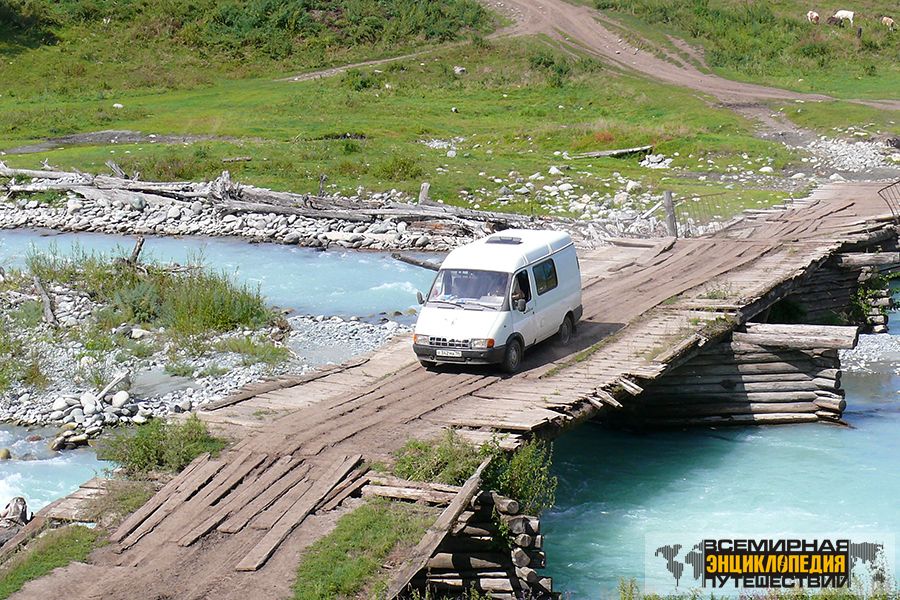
[188,303]
[518,103]
[160,446]
[55,549]
[523,475]
[254,351]
[123,497]
[348,560]
[450,460]
[91,48]
[771,42]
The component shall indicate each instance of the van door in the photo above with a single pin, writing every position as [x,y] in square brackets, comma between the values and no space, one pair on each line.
[550,310]
[523,322]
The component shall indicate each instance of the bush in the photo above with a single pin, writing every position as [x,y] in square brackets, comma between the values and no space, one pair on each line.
[451,460]
[160,446]
[524,475]
[399,168]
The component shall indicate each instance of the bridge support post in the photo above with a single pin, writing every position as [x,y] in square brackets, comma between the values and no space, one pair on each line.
[671,221]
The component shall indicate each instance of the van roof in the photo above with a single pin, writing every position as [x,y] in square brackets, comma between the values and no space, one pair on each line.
[507,250]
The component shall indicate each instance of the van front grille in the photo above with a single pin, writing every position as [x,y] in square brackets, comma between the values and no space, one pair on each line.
[441,342]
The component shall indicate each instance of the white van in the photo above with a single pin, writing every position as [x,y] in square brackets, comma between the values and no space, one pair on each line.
[499,295]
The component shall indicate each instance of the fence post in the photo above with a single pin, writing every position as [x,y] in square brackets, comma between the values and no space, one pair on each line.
[671,221]
[423,192]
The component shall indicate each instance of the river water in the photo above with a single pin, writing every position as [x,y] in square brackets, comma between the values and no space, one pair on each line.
[619,493]
[311,282]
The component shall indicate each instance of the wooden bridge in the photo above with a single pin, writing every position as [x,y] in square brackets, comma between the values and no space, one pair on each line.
[235,526]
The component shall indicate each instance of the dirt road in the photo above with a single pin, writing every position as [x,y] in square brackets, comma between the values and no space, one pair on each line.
[588,29]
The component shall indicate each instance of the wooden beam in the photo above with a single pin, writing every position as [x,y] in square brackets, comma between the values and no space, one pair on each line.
[436,533]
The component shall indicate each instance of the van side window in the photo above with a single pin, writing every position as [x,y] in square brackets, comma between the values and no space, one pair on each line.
[521,289]
[545,276]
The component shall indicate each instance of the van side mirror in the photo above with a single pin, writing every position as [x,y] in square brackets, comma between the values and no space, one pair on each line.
[419,297]
[520,305]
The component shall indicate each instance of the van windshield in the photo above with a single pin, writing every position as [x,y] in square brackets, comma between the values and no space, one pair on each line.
[469,287]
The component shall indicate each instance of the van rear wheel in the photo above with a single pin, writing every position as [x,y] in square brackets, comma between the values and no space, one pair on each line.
[513,356]
[564,335]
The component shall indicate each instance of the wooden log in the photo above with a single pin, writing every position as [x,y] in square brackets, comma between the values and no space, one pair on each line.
[617,152]
[828,415]
[826,383]
[524,540]
[734,408]
[546,583]
[727,381]
[418,262]
[839,405]
[528,575]
[436,533]
[522,524]
[504,505]
[857,260]
[772,365]
[459,584]
[686,397]
[49,317]
[411,494]
[467,560]
[520,557]
[732,387]
[757,419]
[799,336]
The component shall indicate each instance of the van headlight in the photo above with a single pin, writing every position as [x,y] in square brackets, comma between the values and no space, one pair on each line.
[483,344]
[424,340]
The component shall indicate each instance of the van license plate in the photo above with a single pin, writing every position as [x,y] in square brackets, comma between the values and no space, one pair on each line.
[449,353]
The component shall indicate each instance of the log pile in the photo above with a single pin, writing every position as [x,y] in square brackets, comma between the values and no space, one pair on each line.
[767,374]
[474,555]
[849,286]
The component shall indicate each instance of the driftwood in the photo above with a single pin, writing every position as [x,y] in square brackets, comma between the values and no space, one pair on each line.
[230,197]
[617,152]
[417,262]
[49,317]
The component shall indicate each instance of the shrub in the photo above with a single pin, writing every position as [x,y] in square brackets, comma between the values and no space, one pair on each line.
[255,352]
[160,446]
[399,168]
[451,460]
[358,80]
[526,476]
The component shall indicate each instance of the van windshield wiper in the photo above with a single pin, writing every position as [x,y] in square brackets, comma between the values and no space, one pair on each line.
[482,305]
[451,303]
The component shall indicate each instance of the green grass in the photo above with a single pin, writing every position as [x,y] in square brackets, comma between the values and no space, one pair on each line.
[254,351]
[771,42]
[518,104]
[123,497]
[450,459]
[179,369]
[189,303]
[160,446]
[96,49]
[348,560]
[831,117]
[55,549]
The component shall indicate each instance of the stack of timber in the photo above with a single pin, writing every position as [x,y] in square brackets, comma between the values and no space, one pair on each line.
[474,554]
[850,287]
[767,374]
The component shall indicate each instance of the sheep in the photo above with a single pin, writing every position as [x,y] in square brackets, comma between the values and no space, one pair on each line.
[844,14]
[888,22]
[834,21]
[813,17]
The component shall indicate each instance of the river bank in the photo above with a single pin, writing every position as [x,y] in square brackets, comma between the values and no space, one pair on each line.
[75,360]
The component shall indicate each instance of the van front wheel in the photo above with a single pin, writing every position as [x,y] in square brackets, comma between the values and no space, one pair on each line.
[513,356]
[564,335]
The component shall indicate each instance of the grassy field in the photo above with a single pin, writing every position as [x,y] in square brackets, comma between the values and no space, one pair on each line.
[518,106]
[772,42]
[95,48]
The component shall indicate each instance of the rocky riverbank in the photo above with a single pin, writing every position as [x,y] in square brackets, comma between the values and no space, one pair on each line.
[83,378]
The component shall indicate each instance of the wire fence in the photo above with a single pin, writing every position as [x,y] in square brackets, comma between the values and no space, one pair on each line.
[891,196]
